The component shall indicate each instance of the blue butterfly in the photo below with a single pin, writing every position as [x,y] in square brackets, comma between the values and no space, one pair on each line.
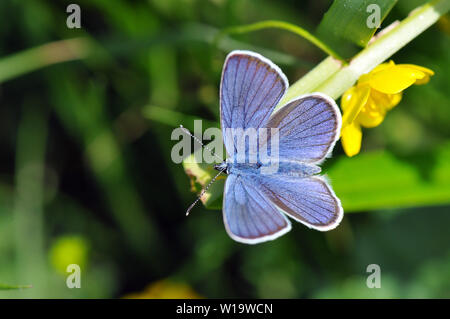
[255,205]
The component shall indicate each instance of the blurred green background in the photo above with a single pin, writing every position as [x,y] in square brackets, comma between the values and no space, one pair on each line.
[86,175]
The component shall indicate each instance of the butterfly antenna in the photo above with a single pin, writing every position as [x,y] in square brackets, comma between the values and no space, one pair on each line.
[200,142]
[204,191]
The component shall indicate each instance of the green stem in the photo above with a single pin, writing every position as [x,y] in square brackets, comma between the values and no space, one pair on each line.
[42,56]
[384,47]
[312,79]
[14,287]
[281,25]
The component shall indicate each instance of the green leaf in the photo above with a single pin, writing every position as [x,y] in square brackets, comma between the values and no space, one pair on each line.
[380,179]
[36,58]
[13,287]
[369,181]
[346,22]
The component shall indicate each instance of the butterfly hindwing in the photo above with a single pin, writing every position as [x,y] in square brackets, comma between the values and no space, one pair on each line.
[309,200]
[248,215]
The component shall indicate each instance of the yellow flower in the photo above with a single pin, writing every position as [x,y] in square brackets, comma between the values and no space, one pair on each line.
[366,103]
[165,289]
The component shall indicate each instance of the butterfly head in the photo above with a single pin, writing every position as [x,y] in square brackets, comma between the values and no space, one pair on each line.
[224,167]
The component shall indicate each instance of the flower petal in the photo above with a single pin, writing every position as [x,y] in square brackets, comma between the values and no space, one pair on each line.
[385,101]
[418,67]
[395,79]
[428,72]
[371,118]
[373,113]
[351,139]
[394,100]
[353,100]
[365,78]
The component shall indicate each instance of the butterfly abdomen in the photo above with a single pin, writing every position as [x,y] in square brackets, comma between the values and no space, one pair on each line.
[285,168]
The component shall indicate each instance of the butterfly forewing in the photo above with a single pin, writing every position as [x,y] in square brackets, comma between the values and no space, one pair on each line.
[308,128]
[250,89]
